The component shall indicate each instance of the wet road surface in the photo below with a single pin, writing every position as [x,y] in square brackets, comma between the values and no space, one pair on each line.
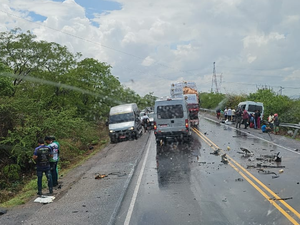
[185,184]
[181,184]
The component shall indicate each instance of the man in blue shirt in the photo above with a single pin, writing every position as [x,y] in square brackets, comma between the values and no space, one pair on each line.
[42,155]
[265,129]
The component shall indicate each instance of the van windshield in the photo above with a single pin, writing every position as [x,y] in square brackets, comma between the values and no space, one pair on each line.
[119,118]
[169,111]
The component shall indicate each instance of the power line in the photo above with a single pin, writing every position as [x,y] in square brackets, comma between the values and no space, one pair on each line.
[94,42]
[87,40]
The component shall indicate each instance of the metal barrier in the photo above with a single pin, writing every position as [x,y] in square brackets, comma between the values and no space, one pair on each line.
[291,125]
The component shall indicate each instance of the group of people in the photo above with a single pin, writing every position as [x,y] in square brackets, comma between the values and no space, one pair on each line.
[46,157]
[252,120]
[229,114]
[273,122]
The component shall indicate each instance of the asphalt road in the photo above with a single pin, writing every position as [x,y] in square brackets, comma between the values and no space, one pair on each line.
[182,184]
[190,185]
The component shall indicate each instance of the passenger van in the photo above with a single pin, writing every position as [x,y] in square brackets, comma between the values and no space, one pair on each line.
[171,120]
[124,123]
[251,107]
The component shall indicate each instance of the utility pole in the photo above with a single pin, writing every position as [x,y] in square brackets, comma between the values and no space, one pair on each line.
[280,90]
[220,84]
[214,79]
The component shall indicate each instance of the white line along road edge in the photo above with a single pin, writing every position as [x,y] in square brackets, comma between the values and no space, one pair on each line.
[136,190]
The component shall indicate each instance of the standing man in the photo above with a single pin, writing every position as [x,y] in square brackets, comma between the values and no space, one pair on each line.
[225,113]
[245,118]
[276,123]
[271,121]
[218,111]
[229,114]
[53,161]
[257,119]
[145,121]
[56,142]
[42,155]
[238,117]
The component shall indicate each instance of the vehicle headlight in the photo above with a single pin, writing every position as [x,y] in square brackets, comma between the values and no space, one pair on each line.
[131,128]
[111,131]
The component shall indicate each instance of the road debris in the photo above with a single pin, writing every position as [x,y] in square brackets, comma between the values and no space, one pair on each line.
[281,171]
[268,172]
[100,176]
[119,174]
[224,159]
[44,199]
[216,152]
[246,151]
[3,211]
[278,199]
[277,158]
[258,165]
[239,179]
[228,148]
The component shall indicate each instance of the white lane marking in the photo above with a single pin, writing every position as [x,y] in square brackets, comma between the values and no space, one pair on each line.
[136,190]
[293,151]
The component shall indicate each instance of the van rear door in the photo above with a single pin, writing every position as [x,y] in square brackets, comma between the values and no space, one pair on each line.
[170,116]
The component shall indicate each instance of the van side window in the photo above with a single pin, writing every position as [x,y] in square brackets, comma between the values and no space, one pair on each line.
[170,111]
[253,108]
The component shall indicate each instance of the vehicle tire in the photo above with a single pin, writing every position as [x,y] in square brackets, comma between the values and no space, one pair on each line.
[136,135]
[113,140]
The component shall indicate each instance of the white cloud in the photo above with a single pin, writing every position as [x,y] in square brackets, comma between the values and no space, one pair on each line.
[148,61]
[251,58]
[262,39]
[158,42]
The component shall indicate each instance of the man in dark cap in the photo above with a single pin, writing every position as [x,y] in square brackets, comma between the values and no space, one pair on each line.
[42,155]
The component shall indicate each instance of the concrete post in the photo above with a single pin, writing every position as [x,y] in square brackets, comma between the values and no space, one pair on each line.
[295,132]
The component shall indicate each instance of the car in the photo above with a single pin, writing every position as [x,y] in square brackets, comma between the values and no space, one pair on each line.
[151,119]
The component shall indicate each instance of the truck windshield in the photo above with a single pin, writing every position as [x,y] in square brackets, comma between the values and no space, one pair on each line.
[169,112]
[193,106]
[119,118]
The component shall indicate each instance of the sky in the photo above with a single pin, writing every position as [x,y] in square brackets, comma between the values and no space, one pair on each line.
[152,44]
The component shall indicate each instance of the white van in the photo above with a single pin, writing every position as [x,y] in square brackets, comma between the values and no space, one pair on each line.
[171,120]
[251,107]
[124,123]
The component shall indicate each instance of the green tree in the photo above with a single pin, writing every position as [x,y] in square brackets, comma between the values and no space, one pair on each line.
[273,103]
[212,100]
[6,83]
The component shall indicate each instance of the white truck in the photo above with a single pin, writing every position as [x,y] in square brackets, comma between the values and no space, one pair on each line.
[188,91]
[124,123]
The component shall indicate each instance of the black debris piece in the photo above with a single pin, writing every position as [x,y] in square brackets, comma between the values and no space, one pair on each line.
[224,159]
[246,151]
[2,211]
[278,199]
[239,179]
[216,152]
[277,158]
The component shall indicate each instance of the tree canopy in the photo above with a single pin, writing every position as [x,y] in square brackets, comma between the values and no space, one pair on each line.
[45,89]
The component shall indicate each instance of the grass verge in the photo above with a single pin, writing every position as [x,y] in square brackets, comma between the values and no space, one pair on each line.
[29,189]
